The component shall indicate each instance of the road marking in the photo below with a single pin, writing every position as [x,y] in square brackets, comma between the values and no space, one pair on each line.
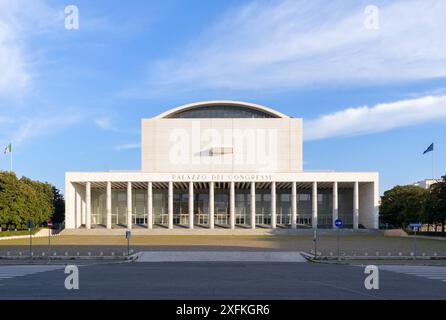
[220,256]
[429,272]
[8,272]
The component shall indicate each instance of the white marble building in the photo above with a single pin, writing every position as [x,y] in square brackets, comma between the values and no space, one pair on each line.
[221,164]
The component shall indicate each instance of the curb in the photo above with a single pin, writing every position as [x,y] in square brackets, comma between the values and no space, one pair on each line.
[62,258]
[34,236]
[390,258]
[312,258]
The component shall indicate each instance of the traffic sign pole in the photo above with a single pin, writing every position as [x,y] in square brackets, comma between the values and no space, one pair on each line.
[128,234]
[315,243]
[415,244]
[338,224]
[50,225]
[339,251]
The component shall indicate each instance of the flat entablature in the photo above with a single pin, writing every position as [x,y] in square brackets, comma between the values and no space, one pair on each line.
[222,177]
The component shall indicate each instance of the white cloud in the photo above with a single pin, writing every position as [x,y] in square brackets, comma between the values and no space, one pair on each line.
[19,19]
[103,123]
[296,43]
[381,117]
[127,146]
[30,128]
[106,123]
[13,75]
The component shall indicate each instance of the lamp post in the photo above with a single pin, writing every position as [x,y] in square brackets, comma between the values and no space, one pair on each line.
[50,226]
[30,227]
[415,227]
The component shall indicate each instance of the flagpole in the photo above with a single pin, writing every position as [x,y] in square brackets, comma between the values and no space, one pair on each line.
[11,158]
[433,170]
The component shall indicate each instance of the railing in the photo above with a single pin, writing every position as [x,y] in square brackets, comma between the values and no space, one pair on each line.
[305,220]
[221,216]
[201,218]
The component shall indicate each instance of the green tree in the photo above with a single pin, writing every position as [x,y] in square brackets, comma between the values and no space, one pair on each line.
[59,206]
[11,200]
[23,199]
[402,205]
[40,203]
[436,204]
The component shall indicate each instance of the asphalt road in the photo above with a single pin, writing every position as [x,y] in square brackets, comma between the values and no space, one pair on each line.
[219,280]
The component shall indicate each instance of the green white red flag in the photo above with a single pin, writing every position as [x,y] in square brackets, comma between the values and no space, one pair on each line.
[8,149]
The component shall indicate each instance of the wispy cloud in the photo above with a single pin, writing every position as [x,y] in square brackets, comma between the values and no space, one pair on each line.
[104,123]
[18,20]
[127,146]
[378,118]
[31,128]
[13,75]
[284,44]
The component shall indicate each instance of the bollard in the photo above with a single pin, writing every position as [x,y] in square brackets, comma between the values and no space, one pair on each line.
[113,254]
[66,253]
[101,254]
[389,254]
[411,254]
[366,254]
[89,254]
[423,254]
[77,253]
[43,254]
[55,253]
[400,254]
[377,253]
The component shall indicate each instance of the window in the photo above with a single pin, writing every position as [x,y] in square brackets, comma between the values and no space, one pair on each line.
[221,111]
[304,197]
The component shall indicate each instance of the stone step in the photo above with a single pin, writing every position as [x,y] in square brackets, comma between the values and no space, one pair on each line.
[220,256]
[204,231]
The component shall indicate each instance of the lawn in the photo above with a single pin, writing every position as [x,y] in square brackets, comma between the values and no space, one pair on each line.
[350,244]
[9,233]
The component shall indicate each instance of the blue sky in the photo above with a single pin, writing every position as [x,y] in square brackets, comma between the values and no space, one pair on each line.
[372,98]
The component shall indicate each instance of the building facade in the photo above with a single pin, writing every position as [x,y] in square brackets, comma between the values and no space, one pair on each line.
[221,164]
[426,183]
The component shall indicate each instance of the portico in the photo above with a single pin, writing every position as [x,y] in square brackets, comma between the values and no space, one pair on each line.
[276,203]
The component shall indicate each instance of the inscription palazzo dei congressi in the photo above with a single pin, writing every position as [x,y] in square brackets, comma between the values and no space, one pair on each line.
[221,177]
